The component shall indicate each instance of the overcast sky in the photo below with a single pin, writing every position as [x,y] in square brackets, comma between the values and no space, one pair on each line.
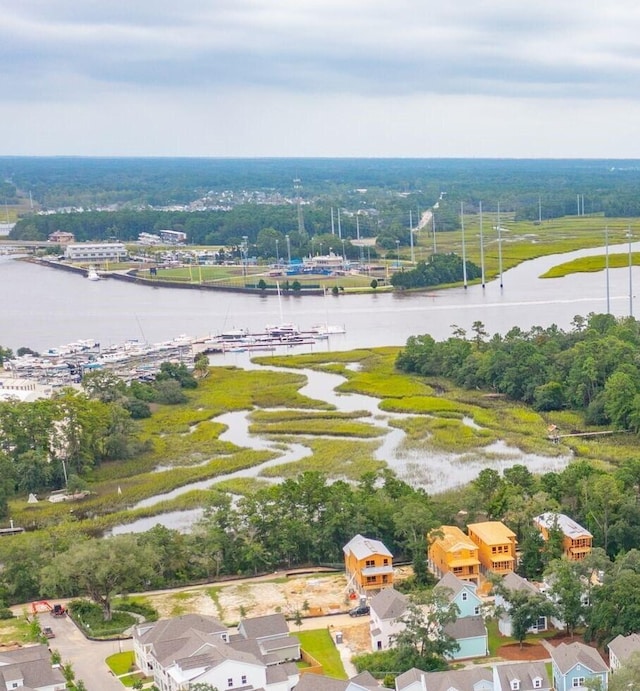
[490,78]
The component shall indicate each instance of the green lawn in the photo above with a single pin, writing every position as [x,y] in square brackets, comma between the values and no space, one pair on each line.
[120,663]
[320,645]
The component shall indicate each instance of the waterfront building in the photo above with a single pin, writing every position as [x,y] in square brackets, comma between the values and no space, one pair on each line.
[577,541]
[451,551]
[369,565]
[496,546]
[95,252]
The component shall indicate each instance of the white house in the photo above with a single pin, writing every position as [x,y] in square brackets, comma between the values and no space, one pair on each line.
[621,649]
[30,668]
[513,582]
[198,649]
[516,676]
[386,608]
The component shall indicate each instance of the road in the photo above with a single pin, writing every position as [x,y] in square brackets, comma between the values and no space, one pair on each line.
[87,657]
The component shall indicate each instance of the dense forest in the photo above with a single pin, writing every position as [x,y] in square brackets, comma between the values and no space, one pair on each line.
[380,193]
[593,368]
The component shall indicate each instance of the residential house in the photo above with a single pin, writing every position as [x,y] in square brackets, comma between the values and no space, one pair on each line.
[521,676]
[198,649]
[517,676]
[320,682]
[369,565]
[577,541]
[478,679]
[513,582]
[386,609]
[451,551]
[61,237]
[30,668]
[496,546]
[621,649]
[468,629]
[271,632]
[574,664]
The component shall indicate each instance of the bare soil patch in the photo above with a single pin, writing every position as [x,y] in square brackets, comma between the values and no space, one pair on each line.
[529,651]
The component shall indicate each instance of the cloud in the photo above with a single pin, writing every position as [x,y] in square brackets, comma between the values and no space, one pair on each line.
[390,47]
[320,77]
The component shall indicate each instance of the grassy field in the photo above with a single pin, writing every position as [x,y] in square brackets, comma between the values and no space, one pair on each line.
[319,644]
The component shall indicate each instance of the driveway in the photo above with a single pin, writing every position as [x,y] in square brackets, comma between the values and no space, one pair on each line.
[87,657]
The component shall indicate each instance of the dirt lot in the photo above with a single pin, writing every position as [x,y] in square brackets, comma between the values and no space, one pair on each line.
[317,595]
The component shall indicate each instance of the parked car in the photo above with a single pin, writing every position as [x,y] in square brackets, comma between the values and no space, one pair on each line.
[359,611]
[47,632]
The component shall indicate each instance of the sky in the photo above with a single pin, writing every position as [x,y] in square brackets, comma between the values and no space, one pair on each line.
[355,78]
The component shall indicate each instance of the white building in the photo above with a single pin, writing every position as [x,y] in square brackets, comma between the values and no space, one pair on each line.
[95,252]
[195,649]
[386,608]
[30,668]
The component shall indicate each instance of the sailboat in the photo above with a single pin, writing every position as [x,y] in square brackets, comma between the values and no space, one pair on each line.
[283,329]
[325,330]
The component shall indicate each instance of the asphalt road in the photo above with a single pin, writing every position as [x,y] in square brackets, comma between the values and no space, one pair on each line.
[87,657]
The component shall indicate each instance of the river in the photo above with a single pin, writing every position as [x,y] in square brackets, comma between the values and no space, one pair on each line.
[43,307]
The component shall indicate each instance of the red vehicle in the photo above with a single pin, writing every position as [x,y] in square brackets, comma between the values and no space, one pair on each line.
[44,606]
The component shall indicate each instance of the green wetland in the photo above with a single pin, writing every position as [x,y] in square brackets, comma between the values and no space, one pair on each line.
[341,414]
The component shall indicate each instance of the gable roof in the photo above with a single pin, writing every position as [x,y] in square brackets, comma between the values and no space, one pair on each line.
[444,681]
[492,532]
[320,682]
[514,582]
[35,674]
[525,673]
[453,539]
[466,627]
[567,525]
[268,625]
[389,603]
[624,646]
[363,547]
[177,627]
[566,656]
[455,584]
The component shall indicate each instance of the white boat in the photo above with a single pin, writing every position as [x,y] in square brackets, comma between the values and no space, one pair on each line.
[92,274]
[327,329]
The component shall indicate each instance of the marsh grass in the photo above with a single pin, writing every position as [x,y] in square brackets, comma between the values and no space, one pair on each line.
[444,434]
[592,264]
[334,428]
[336,458]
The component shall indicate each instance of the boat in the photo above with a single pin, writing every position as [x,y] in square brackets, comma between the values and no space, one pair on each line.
[322,330]
[92,274]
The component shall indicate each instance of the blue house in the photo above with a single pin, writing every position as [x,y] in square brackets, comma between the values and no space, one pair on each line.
[574,664]
[469,629]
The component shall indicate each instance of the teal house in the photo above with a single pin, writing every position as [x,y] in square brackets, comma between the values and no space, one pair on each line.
[576,664]
[469,629]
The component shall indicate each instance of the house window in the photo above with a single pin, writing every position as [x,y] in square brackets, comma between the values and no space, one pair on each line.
[370,562]
[229,683]
[515,685]
[577,681]
[464,597]
[371,579]
[243,679]
[476,609]
[537,683]
[385,562]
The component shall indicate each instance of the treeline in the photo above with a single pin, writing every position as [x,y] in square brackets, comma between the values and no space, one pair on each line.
[592,368]
[439,270]
[54,443]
